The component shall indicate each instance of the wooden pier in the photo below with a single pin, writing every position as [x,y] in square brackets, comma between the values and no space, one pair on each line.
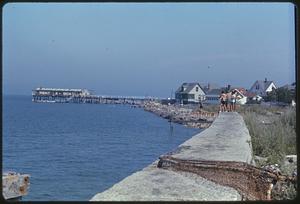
[52,95]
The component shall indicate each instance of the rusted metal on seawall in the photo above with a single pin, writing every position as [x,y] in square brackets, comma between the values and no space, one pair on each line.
[14,185]
[251,182]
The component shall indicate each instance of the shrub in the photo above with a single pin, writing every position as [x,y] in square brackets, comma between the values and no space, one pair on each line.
[274,140]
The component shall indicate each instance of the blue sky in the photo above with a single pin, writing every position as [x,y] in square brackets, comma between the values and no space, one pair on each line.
[147,48]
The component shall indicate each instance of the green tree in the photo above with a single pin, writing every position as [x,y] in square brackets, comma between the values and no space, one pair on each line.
[281,95]
[271,96]
[284,95]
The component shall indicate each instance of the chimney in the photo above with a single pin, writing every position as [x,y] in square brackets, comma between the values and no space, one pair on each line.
[208,86]
[266,80]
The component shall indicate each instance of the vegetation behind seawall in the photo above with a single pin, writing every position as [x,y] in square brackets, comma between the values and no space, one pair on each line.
[272,130]
[273,136]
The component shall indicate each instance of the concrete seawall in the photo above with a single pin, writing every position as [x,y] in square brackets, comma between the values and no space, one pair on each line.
[227,139]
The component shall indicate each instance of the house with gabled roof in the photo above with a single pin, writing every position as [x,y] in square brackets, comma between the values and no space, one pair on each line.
[241,97]
[261,87]
[190,93]
[212,95]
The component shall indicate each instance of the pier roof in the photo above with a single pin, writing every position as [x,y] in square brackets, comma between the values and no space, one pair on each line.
[58,89]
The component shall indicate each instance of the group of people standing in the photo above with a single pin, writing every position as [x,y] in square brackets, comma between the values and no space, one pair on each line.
[228,101]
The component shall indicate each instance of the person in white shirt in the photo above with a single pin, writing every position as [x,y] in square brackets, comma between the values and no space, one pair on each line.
[233,100]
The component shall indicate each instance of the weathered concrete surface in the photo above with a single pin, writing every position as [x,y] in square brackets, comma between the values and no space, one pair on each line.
[154,184]
[227,139]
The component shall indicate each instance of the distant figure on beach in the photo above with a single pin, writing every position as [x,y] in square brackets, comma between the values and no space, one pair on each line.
[201,105]
[222,102]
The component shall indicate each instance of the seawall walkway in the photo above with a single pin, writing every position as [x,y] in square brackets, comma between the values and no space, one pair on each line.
[226,140]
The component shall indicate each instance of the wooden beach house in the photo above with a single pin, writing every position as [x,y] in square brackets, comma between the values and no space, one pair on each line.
[189,93]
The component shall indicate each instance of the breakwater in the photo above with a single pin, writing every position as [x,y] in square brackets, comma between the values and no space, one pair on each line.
[174,113]
[189,117]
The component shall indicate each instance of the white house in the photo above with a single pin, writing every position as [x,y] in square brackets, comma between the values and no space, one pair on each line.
[189,93]
[261,88]
[241,98]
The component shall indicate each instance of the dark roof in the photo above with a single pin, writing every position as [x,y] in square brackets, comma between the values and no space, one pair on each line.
[263,84]
[214,92]
[188,86]
[209,86]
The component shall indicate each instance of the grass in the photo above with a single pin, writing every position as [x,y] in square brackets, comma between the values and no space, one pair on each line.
[276,139]
[257,108]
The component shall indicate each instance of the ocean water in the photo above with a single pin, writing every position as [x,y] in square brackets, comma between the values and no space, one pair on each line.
[74,151]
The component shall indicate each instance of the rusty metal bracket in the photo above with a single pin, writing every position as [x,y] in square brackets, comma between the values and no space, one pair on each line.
[14,185]
[251,182]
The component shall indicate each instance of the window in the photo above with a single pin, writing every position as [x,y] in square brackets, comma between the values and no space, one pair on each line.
[197,89]
[257,86]
[184,96]
[191,96]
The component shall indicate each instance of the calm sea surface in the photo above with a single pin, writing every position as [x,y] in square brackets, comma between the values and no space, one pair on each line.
[73,151]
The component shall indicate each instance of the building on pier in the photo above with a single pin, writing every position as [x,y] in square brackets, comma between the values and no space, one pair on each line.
[58,95]
[82,96]
[61,92]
